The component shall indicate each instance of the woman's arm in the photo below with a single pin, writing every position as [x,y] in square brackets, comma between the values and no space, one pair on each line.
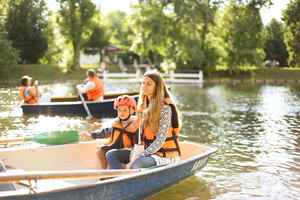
[164,125]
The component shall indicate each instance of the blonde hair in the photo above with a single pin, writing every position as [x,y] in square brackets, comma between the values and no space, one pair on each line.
[152,107]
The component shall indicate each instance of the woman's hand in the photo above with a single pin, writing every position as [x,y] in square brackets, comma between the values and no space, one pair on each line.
[136,152]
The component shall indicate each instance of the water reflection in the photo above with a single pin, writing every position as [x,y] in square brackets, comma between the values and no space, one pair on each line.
[255,127]
[193,188]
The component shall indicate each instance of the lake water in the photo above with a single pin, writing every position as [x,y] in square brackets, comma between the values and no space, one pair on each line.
[256,129]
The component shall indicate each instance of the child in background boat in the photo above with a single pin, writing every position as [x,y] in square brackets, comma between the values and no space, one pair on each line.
[29,92]
[122,135]
[160,124]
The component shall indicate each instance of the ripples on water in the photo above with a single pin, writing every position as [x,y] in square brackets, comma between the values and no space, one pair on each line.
[256,129]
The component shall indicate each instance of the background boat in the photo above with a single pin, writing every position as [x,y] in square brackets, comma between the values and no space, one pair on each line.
[66,106]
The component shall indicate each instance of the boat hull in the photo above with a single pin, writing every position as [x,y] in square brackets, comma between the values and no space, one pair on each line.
[98,109]
[129,187]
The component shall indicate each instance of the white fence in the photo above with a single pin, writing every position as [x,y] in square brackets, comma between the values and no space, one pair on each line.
[195,78]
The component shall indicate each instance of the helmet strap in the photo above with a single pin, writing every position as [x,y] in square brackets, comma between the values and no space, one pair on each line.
[122,120]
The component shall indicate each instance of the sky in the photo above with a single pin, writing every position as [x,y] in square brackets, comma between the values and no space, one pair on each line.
[275,11]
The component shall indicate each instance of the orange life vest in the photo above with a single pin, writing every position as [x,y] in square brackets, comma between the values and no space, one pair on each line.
[123,137]
[171,146]
[31,96]
[97,91]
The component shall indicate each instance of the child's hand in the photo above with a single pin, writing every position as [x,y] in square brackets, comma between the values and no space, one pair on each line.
[85,136]
[136,152]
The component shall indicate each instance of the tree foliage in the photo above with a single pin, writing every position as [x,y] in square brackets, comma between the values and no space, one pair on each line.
[8,54]
[291,17]
[25,25]
[196,18]
[75,23]
[54,53]
[176,31]
[119,29]
[97,40]
[241,31]
[274,46]
[256,3]
[152,31]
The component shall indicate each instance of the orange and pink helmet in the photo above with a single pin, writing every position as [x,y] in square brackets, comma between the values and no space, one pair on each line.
[125,100]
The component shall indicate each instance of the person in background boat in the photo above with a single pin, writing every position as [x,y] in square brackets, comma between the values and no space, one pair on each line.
[92,87]
[122,135]
[35,83]
[29,92]
[160,124]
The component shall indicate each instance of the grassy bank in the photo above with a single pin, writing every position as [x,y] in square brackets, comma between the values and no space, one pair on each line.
[42,72]
[259,74]
[54,72]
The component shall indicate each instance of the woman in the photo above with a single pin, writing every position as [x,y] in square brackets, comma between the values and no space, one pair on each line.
[160,123]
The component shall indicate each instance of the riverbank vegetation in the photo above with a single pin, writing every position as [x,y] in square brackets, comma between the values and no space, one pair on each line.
[185,36]
[12,74]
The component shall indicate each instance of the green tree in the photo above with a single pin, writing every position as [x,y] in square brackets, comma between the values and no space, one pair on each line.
[274,45]
[54,52]
[118,27]
[241,31]
[196,18]
[152,28]
[3,11]
[8,54]
[176,31]
[25,25]
[291,18]
[75,23]
[256,3]
[97,41]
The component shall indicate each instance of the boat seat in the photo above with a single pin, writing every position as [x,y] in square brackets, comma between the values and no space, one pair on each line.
[189,149]
[6,186]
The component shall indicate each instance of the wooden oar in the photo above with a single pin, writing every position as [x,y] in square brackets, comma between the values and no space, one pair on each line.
[49,138]
[86,108]
[139,147]
[8,177]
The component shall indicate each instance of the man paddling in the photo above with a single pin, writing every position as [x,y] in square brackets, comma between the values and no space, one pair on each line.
[92,87]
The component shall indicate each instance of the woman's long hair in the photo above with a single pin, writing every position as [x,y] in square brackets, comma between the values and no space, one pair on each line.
[152,107]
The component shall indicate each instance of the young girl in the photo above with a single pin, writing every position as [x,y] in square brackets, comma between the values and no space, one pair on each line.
[160,123]
[27,92]
[122,135]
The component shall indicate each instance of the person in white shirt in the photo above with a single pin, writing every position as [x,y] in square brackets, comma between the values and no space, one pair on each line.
[92,87]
